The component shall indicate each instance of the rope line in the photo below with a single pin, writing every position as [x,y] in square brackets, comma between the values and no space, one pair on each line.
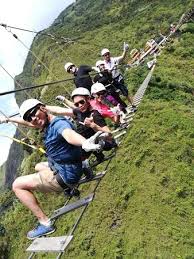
[36,32]
[50,72]
[45,84]
[17,83]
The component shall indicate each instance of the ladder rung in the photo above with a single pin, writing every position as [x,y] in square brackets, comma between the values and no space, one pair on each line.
[95,163]
[72,206]
[96,177]
[49,244]
[119,135]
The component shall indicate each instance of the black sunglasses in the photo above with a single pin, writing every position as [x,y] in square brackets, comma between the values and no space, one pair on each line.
[106,54]
[80,102]
[69,69]
[101,93]
[31,114]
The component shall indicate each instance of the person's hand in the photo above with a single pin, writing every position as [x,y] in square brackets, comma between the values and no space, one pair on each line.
[60,98]
[92,143]
[95,69]
[3,119]
[125,46]
[89,122]
[116,110]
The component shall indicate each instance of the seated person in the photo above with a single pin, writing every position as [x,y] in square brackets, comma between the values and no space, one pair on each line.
[99,92]
[64,167]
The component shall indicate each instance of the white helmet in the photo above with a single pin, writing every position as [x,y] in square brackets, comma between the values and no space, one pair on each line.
[80,91]
[68,65]
[99,62]
[97,87]
[28,105]
[104,51]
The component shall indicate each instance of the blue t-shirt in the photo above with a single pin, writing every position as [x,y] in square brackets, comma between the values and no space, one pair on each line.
[60,153]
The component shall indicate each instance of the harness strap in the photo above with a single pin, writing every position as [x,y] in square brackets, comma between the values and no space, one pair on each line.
[61,182]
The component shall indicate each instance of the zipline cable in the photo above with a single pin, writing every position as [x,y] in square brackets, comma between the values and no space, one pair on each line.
[45,84]
[53,37]
[17,83]
[35,32]
[17,28]
[16,37]
[13,115]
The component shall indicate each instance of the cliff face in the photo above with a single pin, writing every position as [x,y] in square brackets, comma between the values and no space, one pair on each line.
[15,157]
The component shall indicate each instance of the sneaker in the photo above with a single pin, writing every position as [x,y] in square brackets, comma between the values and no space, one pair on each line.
[87,170]
[134,108]
[40,230]
[71,192]
[99,157]
[88,173]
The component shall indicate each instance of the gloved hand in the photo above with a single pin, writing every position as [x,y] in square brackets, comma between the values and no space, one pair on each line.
[116,110]
[3,119]
[95,69]
[60,98]
[125,46]
[89,144]
[102,137]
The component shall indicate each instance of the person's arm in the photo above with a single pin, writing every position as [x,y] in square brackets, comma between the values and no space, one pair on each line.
[89,122]
[17,120]
[76,139]
[65,101]
[69,103]
[89,68]
[73,137]
[59,110]
[125,50]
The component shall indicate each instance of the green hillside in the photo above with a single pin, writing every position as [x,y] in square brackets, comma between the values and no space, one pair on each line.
[144,207]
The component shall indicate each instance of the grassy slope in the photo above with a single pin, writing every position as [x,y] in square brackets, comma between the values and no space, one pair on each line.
[144,206]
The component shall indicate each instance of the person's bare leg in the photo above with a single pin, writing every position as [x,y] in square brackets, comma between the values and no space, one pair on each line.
[23,187]
[41,166]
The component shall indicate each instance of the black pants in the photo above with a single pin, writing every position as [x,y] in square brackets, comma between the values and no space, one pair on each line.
[120,84]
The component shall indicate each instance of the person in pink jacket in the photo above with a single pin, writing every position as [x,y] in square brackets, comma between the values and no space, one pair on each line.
[98,91]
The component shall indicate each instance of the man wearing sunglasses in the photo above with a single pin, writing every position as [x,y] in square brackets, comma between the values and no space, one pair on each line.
[64,167]
[81,74]
[111,63]
[88,120]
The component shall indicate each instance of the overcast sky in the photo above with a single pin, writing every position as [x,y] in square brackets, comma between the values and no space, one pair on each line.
[28,14]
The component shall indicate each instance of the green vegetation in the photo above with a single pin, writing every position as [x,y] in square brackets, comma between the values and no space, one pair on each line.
[2,176]
[144,207]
